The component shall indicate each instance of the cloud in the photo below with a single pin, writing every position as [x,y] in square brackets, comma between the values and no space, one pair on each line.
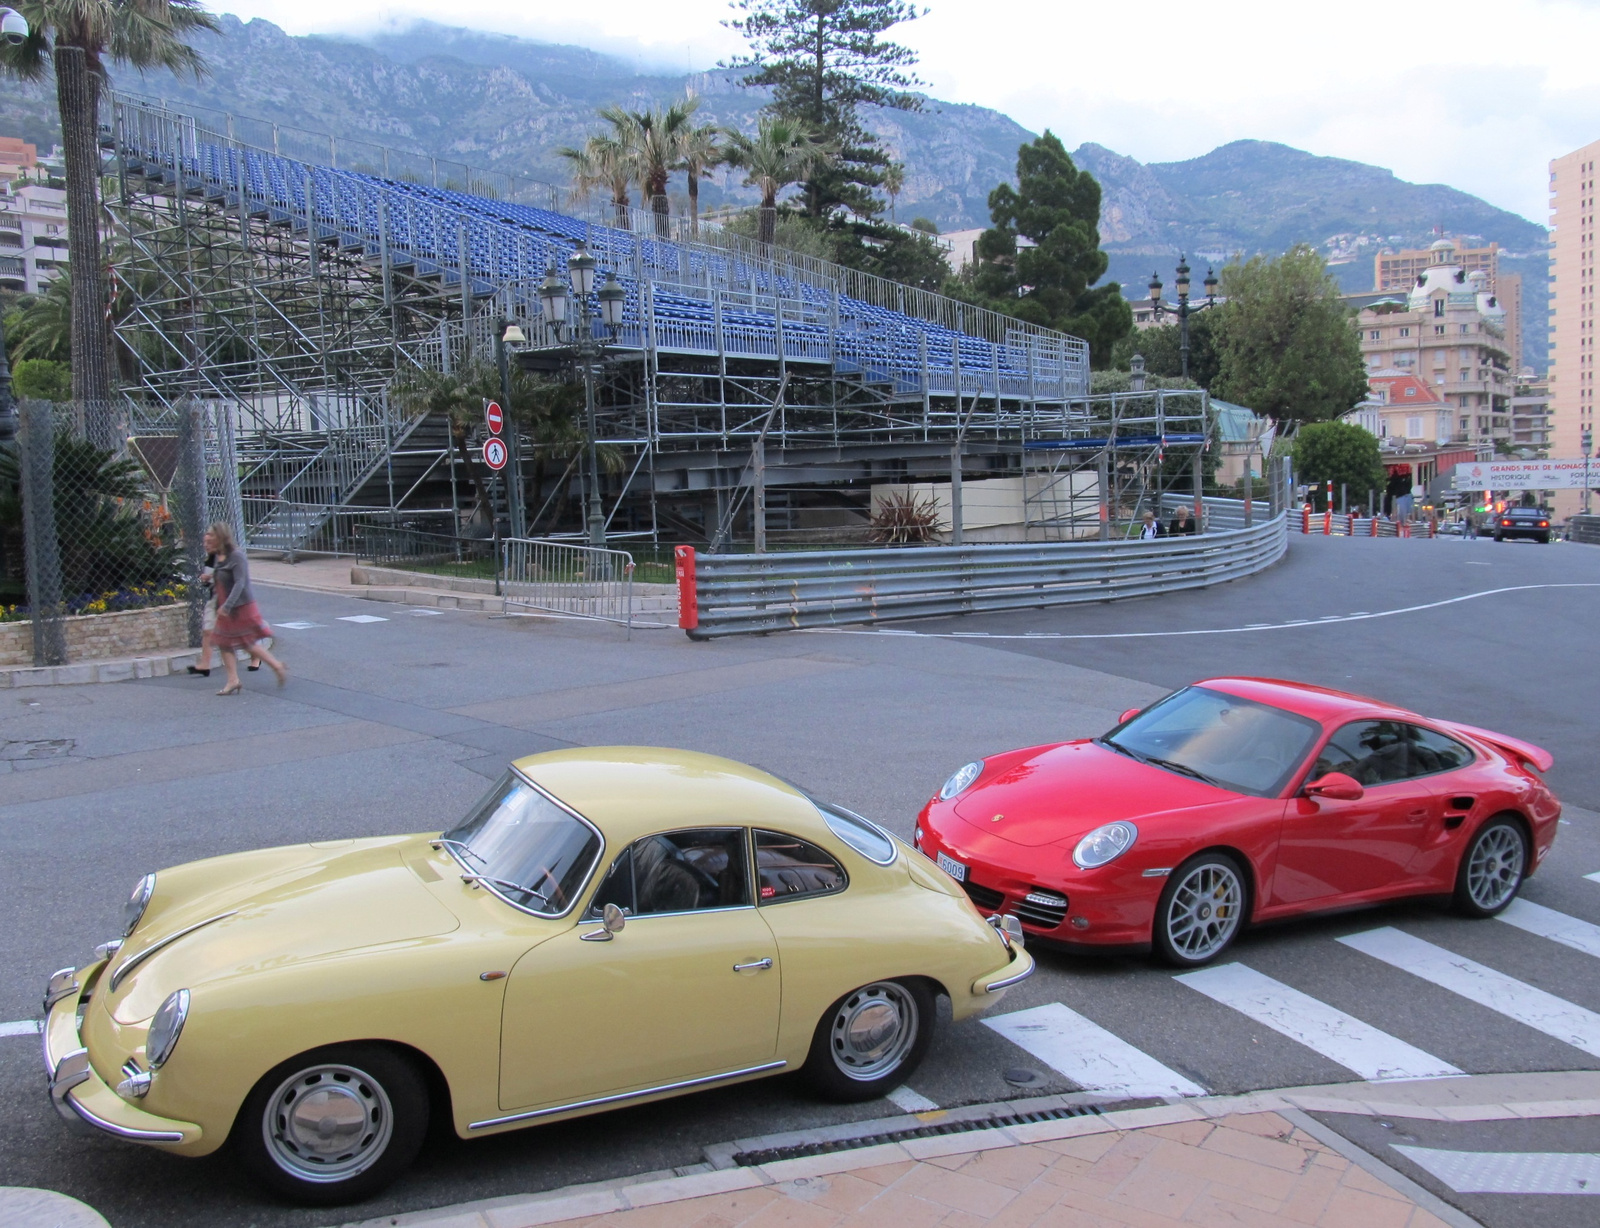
[1478,94]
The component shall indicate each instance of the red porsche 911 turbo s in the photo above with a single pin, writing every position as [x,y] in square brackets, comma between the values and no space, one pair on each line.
[1240,800]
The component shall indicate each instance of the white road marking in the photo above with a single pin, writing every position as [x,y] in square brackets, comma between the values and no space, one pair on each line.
[361,618]
[912,1102]
[1593,878]
[21,1027]
[1093,1058]
[297,626]
[1544,1012]
[1370,1052]
[425,613]
[1146,635]
[1557,926]
[1509,1172]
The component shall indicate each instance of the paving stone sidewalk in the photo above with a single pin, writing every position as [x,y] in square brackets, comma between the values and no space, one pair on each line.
[1244,1170]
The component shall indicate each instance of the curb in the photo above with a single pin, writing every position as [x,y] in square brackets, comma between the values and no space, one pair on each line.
[652,1189]
[120,669]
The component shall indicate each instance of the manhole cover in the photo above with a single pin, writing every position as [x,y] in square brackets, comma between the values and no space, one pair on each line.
[42,748]
[1021,1076]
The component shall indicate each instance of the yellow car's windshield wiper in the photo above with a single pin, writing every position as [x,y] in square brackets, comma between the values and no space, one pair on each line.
[439,841]
[508,885]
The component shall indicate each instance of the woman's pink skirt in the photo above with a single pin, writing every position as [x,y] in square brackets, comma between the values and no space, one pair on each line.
[240,628]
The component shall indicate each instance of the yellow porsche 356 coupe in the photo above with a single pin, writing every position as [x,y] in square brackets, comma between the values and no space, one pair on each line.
[607,926]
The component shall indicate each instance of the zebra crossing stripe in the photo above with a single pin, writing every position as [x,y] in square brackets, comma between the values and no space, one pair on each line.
[1371,1053]
[1593,878]
[1544,1012]
[1556,926]
[1093,1058]
[1509,1172]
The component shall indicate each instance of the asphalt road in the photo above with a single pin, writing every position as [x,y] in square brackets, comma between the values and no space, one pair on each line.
[393,726]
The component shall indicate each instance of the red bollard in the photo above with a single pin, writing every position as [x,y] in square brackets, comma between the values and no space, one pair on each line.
[1374,523]
[1305,519]
[1350,525]
[1327,523]
[688,601]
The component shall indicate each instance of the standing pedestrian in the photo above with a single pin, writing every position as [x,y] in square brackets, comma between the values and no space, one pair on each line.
[1471,521]
[1181,525]
[1151,528]
[239,621]
[208,616]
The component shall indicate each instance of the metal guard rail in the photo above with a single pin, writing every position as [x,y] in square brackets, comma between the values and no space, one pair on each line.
[1584,528]
[749,594]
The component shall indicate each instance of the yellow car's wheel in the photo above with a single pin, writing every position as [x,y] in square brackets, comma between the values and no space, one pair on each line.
[334,1125]
[871,1040]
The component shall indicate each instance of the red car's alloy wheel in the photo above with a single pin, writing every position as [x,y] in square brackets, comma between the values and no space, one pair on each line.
[1200,911]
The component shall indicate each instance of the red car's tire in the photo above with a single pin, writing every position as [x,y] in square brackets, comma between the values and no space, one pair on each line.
[1492,868]
[371,1096]
[1201,911]
[869,1041]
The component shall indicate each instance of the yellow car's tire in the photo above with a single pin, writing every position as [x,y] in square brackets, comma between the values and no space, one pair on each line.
[334,1125]
[870,1040]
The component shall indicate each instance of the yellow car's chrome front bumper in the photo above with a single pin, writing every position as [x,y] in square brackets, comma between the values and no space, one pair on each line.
[79,1094]
[1020,968]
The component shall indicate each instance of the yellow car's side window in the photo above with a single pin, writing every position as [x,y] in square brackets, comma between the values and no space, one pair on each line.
[678,871]
[789,868]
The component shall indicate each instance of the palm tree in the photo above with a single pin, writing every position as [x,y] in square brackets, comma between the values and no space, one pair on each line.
[654,140]
[602,162]
[703,152]
[781,153]
[43,325]
[894,182]
[80,39]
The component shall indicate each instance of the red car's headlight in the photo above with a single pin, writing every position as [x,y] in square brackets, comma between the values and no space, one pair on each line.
[1104,844]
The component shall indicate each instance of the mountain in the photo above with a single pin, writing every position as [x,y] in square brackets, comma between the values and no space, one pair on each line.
[509,104]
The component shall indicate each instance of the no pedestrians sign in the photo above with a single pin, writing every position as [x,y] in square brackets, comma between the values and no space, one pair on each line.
[494,453]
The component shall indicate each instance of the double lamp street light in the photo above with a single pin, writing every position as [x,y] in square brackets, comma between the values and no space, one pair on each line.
[1185,310]
[607,302]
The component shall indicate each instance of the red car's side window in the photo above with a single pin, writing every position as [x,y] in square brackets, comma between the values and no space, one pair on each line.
[1380,752]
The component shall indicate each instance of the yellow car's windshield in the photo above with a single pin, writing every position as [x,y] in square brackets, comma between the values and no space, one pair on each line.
[520,844]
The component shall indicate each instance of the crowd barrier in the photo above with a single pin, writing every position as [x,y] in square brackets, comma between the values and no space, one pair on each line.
[744,594]
[1347,524]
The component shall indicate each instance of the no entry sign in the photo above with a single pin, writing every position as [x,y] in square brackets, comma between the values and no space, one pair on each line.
[495,419]
[494,452]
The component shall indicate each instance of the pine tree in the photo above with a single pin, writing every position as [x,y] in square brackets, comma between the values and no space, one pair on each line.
[823,60]
[1057,208]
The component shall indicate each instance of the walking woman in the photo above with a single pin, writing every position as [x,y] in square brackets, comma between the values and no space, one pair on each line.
[239,621]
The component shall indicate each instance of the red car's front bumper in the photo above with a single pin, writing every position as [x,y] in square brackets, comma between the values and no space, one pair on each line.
[1113,906]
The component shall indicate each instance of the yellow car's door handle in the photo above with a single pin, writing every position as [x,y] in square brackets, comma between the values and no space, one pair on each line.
[755,965]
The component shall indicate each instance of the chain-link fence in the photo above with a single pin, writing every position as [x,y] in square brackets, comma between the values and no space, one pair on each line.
[97,522]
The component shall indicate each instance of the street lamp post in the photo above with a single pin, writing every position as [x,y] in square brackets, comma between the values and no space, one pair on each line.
[13,32]
[609,298]
[508,333]
[1185,308]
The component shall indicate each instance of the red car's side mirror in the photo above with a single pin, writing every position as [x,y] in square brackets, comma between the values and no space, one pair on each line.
[1128,716]
[1338,786]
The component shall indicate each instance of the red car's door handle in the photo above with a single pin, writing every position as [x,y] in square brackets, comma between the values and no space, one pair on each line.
[1417,816]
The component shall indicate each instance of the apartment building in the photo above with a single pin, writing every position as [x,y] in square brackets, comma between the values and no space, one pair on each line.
[1399,271]
[1450,333]
[1530,414]
[33,235]
[1572,309]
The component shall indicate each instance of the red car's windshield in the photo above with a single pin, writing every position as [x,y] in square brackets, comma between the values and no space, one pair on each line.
[1230,742]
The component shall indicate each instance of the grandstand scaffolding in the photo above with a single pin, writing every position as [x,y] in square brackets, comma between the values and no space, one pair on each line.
[291,291]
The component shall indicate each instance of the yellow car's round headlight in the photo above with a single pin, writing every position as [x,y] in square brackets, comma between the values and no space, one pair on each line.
[133,910]
[166,1027]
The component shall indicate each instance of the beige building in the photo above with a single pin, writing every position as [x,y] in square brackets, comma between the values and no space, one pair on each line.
[1572,309]
[1530,415]
[33,235]
[1400,271]
[1450,333]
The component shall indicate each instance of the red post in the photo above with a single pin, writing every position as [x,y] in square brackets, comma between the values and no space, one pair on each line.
[1374,523]
[1350,524]
[1327,521]
[688,602]
[1305,519]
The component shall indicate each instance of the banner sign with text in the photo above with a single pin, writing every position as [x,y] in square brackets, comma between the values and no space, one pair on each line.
[1527,475]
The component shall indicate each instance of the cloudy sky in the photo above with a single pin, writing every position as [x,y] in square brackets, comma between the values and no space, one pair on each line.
[1478,94]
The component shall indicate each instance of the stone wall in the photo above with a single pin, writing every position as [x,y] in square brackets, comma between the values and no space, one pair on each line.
[91,637]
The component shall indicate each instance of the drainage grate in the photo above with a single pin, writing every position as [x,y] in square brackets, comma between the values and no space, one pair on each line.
[800,1150]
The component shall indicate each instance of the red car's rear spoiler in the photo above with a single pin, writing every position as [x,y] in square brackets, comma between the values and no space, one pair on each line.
[1536,755]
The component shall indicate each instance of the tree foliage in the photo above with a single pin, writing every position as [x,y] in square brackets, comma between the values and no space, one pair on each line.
[1338,452]
[1159,348]
[41,324]
[41,379]
[782,152]
[1057,207]
[823,61]
[1284,341]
